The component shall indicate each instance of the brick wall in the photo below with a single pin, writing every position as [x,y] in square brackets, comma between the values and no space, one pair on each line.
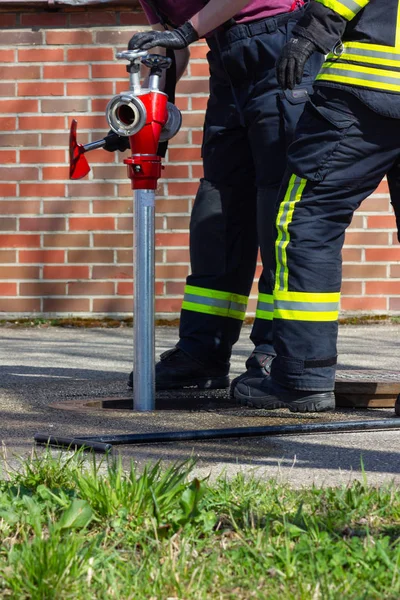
[66,247]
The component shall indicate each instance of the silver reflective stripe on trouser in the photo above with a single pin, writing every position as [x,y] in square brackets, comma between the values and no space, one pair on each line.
[346,8]
[215,302]
[265,307]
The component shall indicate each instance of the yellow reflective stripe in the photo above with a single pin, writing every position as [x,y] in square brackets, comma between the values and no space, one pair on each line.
[346,8]
[208,293]
[299,315]
[320,297]
[213,310]
[293,195]
[379,79]
[265,307]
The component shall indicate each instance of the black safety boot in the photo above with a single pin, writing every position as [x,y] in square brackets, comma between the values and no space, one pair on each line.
[268,394]
[177,370]
[258,366]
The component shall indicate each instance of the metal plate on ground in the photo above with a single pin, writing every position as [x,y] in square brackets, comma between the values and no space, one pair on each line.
[367,388]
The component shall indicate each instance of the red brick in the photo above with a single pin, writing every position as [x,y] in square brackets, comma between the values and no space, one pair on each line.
[41,256]
[42,19]
[11,39]
[182,102]
[167,305]
[90,256]
[351,288]
[382,254]
[42,123]
[363,303]
[192,119]
[199,103]
[16,272]
[199,69]
[126,224]
[7,156]
[42,189]
[41,55]
[91,288]
[364,271]
[382,288]
[19,305]
[175,288]
[18,173]
[93,18]
[395,271]
[89,55]
[366,238]
[65,206]
[77,38]
[65,105]
[93,122]
[181,138]
[90,88]
[184,154]
[99,105]
[125,288]
[18,207]
[113,71]
[113,37]
[6,55]
[112,240]
[112,206]
[61,139]
[91,223]
[39,156]
[8,123]
[193,86]
[8,224]
[65,272]
[172,239]
[19,241]
[182,188]
[8,289]
[112,305]
[172,271]
[394,304]
[7,89]
[381,222]
[7,190]
[132,18]
[8,20]
[42,288]
[18,140]
[197,171]
[168,206]
[373,204]
[19,105]
[42,224]
[90,190]
[63,72]
[178,255]
[56,173]
[198,50]
[112,272]
[174,223]
[66,305]
[41,88]
[382,188]
[351,254]
[8,256]
[13,73]
[66,240]
[176,172]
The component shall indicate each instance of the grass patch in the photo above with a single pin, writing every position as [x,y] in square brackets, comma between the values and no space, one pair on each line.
[70,529]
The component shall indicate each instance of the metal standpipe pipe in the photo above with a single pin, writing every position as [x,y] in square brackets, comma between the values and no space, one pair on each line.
[144,389]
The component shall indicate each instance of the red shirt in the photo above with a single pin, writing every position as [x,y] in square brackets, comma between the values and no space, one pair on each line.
[179,11]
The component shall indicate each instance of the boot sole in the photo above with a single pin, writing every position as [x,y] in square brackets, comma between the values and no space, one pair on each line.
[217,383]
[301,406]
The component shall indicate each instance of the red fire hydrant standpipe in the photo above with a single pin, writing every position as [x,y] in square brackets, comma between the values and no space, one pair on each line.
[146,117]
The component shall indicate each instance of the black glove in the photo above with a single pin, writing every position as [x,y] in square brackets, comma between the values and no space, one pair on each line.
[116,142]
[291,63]
[177,39]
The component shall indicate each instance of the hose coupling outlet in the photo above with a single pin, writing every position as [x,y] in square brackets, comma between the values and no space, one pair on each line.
[126,114]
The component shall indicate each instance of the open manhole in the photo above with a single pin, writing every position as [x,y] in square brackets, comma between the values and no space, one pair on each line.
[353,389]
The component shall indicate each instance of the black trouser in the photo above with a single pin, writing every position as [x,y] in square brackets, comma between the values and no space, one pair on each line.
[341,153]
[249,124]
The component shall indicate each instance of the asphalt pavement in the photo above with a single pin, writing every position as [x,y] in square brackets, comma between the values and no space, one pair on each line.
[44,369]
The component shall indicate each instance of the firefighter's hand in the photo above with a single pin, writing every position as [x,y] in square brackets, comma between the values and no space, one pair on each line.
[116,142]
[291,63]
[176,39]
